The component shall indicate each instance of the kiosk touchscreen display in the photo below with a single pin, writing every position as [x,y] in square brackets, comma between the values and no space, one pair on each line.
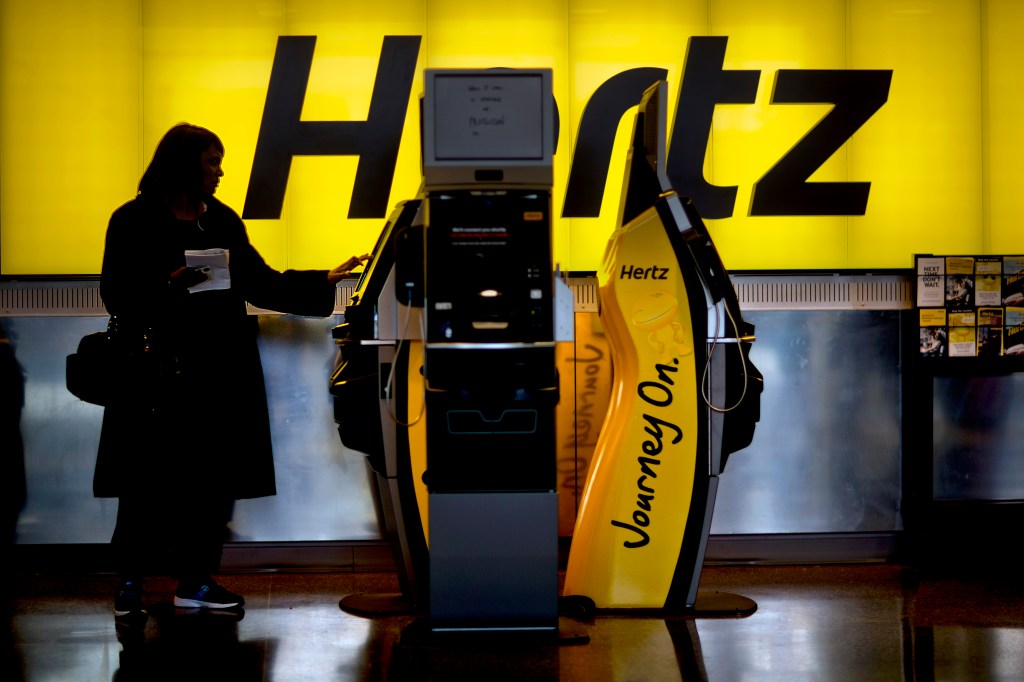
[488,116]
[382,258]
[374,261]
[491,127]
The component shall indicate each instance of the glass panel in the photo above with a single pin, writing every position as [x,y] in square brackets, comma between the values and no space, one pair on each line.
[978,429]
[322,491]
[825,455]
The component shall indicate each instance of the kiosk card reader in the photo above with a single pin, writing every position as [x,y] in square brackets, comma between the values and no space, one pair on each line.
[489,350]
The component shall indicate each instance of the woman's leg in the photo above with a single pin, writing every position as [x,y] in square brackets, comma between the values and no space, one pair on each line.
[139,533]
[201,530]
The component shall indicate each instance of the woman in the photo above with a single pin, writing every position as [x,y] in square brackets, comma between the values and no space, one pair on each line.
[178,460]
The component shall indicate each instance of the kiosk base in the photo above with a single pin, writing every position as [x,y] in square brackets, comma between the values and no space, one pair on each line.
[493,560]
[419,634]
[720,605]
[706,605]
[371,605]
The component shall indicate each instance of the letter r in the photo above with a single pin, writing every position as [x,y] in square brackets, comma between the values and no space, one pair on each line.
[375,141]
[593,153]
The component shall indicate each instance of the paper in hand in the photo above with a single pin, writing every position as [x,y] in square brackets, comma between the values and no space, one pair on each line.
[218,277]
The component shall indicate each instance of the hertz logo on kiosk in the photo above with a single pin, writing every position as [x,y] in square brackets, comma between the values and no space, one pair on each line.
[639,272]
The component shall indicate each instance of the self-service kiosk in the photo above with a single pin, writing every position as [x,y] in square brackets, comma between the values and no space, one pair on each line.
[489,350]
[446,377]
[377,386]
[448,382]
[685,395]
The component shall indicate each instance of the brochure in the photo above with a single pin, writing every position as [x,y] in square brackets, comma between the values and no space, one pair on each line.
[931,281]
[214,262]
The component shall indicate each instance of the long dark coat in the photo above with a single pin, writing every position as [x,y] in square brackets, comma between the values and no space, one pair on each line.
[210,432]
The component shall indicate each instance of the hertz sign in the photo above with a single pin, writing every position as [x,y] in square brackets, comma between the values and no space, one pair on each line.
[812,135]
[784,190]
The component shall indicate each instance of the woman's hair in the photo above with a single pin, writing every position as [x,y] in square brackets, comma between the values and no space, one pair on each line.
[176,169]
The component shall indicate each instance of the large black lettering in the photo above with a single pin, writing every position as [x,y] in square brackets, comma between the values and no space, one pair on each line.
[644,537]
[593,153]
[375,141]
[784,189]
[704,85]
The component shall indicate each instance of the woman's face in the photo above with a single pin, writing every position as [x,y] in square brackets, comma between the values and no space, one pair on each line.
[212,170]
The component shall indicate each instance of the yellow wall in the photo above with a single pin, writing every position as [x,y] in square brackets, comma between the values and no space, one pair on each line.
[1002,132]
[87,87]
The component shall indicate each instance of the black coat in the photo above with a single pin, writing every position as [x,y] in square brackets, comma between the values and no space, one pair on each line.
[210,431]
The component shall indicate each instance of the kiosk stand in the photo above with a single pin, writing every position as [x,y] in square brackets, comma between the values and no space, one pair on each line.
[685,396]
[962,354]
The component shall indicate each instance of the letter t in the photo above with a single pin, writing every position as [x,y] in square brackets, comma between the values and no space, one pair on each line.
[705,84]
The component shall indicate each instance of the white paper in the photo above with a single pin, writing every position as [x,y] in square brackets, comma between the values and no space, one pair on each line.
[931,283]
[218,275]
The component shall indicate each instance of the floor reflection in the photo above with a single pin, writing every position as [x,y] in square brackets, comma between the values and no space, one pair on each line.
[179,644]
[420,655]
[812,623]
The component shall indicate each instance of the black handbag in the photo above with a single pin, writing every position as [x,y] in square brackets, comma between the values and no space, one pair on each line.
[120,364]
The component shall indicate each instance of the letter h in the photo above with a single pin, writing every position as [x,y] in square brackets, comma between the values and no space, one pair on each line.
[375,141]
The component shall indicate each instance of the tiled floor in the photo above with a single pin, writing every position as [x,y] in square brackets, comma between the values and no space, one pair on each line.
[860,622]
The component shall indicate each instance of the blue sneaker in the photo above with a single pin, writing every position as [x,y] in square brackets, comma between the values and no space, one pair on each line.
[128,599]
[209,595]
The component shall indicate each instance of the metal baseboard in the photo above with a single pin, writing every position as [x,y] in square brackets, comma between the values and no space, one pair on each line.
[783,291]
[239,557]
[376,555]
[81,298]
[805,548]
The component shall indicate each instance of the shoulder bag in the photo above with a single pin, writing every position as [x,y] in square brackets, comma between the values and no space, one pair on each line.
[120,364]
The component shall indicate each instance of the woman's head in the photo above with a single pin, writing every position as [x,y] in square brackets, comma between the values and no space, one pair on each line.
[178,168]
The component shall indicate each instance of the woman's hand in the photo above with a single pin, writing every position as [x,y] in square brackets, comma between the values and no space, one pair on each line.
[338,273]
[186,277]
